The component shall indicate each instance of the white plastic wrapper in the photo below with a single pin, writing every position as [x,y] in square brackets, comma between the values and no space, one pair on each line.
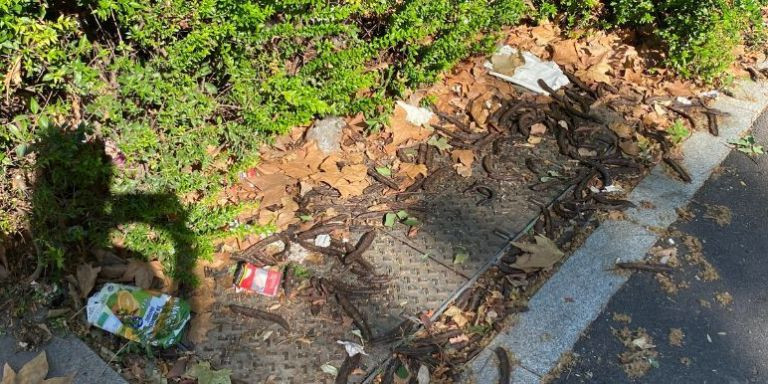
[528,74]
[352,348]
[416,115]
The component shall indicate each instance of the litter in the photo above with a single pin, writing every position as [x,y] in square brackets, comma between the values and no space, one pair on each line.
[143,316]
[416,115]
[351,348]
[530,72]
[262,280]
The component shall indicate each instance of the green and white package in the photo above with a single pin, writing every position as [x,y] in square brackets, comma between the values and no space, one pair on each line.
[144,316]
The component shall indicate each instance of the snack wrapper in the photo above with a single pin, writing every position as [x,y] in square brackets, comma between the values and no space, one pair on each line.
[143,316]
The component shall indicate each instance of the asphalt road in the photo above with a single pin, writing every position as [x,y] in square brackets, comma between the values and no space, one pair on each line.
[721,344]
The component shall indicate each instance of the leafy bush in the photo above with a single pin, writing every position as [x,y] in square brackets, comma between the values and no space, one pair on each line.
[180,94]
[699,37]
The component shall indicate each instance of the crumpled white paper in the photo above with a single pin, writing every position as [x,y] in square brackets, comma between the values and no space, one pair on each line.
[416,115]
[528,74]
[352,348]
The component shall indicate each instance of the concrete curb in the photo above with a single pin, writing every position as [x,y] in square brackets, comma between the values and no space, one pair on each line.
[553,324]
[66,356]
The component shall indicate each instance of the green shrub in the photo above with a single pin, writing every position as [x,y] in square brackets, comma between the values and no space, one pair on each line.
[182,93]
[698,37]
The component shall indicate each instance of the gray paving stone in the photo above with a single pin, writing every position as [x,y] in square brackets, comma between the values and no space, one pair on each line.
[66,356]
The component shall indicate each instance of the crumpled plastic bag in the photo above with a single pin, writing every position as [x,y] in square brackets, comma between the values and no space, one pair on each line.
[528,74]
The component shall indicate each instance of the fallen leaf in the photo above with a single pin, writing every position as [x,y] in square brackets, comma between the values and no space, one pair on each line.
[13,76]
[34,371]
[464,156]
[86,278]
[478,110]
[413,170]
[205,375]
[460,255]
[140,272]
[597,72]
[456,314]
[458,339]
[543,254]
[9,375]
[538,129]
[402,130]
[159,272]
[564,52]
[329,369]
[440,143]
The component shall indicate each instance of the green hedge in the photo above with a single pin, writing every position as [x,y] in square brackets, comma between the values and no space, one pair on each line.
[187,90]
[697,37]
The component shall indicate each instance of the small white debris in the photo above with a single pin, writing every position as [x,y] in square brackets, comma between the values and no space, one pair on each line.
[722,333]
[671,241]
[709,338]
[684,100]
[323,240]
[416,115]
[664,260]
[297,254]
[329,369]
[642,343]
[423,376]
[710,94]
[351,348]
[266,335]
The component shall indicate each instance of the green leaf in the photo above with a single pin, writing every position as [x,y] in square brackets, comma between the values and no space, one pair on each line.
[384,171]
[402,372]
[440,142]
[411,222]
[205,375]
[305,218]
[34,107]
[390,219]
[402,215]
[460,255]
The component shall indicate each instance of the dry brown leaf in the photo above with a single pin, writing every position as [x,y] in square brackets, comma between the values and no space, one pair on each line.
[402,130]
[622,129]
[464,159]
[479,110]
[464,156]
[457,316]
[13,76]
[544,33]
[159,272]
[199,327]
[597,72]
[140,272]
[351,180]
[86,278]
[564,52]
[9,375]
[413,170]
[543,254]
[34,371]
[538,129]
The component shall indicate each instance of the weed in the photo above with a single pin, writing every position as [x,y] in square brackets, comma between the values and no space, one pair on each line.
[748,145]
[678,132]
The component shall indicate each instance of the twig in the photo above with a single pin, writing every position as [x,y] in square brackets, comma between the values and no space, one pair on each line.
[259,314]
[646,267]
[347,367]
[504,366]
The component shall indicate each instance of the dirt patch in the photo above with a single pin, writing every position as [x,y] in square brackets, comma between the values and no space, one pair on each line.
[721,214]
[676,337]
